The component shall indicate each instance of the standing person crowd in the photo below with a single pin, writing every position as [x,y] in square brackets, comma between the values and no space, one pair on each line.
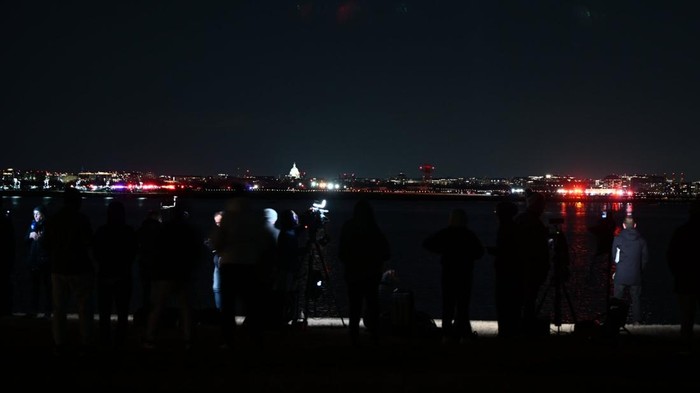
[257,268]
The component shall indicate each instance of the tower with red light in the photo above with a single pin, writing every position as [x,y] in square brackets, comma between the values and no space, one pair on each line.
[427,170]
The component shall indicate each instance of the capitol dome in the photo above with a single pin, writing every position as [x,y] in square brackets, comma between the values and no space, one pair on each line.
[294,172]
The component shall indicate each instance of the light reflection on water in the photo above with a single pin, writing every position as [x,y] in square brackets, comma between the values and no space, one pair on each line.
[406,224]
[589,283]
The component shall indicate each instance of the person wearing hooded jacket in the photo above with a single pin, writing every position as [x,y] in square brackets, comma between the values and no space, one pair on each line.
[247,250]
[630,253]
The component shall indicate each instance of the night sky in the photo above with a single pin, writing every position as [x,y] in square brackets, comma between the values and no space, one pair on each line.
[477,88]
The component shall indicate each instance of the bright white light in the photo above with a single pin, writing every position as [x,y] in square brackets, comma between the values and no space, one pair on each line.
[320,205]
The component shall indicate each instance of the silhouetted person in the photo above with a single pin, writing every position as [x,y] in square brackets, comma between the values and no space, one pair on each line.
[115,247]
[147,236]
[68,239]
[533,253]
[630,253]
[216,280]
[7,261]
[684,263]
[458,247]
[39,264]
[509,272]
[247,249]
[363,249]
[287,266]
[179,249]
[604,233]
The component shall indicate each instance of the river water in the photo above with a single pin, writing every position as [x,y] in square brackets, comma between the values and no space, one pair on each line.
[406,223]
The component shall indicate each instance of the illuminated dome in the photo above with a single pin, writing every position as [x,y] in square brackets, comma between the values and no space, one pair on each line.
[294,172]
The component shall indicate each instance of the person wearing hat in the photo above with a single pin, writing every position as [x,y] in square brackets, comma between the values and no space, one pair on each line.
[39,266]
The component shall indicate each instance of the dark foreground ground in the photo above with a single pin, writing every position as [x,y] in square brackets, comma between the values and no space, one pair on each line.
[320,358]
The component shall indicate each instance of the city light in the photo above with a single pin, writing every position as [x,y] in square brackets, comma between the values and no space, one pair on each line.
[424,182]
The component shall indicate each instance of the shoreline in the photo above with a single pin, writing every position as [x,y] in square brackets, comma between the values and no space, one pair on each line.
[372,195]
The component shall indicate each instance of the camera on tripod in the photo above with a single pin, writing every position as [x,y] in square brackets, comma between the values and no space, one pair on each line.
[318,283]
[559,257]
[314,219]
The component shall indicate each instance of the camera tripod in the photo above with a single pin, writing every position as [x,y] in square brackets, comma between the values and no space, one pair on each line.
[316,275]
[557,281]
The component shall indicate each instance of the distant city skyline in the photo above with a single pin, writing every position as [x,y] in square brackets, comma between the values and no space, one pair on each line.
[300,172]
[477,88]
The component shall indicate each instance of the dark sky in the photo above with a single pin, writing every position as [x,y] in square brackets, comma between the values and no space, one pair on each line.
[477,88]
